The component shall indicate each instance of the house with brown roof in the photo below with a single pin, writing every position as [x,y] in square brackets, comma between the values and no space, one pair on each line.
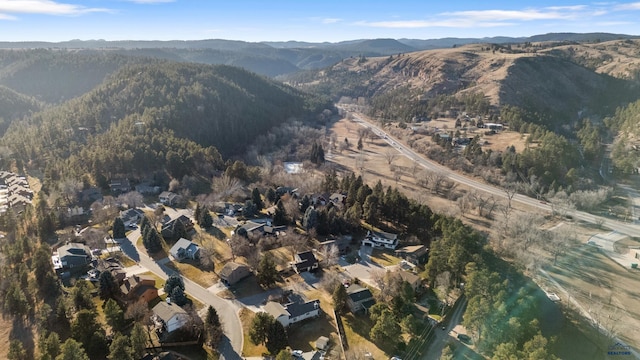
[233,272]
[415,254]
[413,279]
[139,287]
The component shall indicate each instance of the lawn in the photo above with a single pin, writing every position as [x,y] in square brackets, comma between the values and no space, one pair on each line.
[303,337]
[603,287]
[191,271]
[383,258]
[357,329]
[248,348]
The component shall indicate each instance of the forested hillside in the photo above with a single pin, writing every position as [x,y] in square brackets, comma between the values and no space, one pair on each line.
[160,115]
[54,76]
[13,106]
[626,150]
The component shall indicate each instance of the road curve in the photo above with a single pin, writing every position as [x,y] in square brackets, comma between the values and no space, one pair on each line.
[630,229]
[230,346]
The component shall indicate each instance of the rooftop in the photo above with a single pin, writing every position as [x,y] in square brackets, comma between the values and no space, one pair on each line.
[166,311]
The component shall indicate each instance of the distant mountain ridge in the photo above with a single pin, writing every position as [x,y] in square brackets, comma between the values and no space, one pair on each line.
[281,58]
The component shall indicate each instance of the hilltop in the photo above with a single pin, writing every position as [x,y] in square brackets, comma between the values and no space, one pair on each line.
[543,77]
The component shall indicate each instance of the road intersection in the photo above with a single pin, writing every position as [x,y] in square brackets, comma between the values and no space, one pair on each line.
[230,347]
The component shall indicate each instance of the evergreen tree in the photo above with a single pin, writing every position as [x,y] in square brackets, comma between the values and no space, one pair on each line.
[118,229]
[260,327]
[49,346]
[339,298]
[114,315]
[108,286]
[249,209]
[16,351]
[179,231]
[145,224]
[178,296]
[257,199]
[84,327]
[206,221]
[72,350]
[120,349]
[138,341]
[310,218]
[271,195]
[267,272]
[280,216]
[151,240]
[197,213]
[212,327]
[305,203]
[276,337]
[172,282]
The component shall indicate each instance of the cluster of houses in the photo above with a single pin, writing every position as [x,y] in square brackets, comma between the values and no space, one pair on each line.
[15,192]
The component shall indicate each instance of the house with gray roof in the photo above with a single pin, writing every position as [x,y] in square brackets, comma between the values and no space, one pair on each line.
[72,255]
[169,316]
[359,298]
[185,249]
[294,312]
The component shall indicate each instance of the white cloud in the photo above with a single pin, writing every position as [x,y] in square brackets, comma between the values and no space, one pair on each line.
[416,24]
[629,6]
[7,17]
[522,15]
[497,17]
[330,20]
[44,7]
[613,23]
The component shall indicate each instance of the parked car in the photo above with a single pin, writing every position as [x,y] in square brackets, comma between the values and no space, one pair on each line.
[297,353]
[464,338]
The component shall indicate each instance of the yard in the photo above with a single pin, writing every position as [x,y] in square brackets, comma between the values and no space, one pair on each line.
[249,348]
[357,330]
[384,258]
[602,287]
[192,270]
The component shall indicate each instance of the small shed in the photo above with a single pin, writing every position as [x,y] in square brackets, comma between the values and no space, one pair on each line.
[322,343]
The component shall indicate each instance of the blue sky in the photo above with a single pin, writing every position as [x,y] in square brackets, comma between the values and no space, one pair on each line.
[306,20]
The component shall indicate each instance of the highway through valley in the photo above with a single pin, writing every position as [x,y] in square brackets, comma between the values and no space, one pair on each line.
[630,229]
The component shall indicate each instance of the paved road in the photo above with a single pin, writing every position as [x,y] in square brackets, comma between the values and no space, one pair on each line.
[231,345]
[630,229]
[442,337]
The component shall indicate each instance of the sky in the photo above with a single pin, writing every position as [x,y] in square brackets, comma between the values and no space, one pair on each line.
[306,20]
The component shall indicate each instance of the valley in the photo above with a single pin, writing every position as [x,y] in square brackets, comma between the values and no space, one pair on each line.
[401,199]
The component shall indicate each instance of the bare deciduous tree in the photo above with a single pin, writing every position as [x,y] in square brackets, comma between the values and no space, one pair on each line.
[132,199]
[225,187]
[390,155]
[69,189]
[360,162]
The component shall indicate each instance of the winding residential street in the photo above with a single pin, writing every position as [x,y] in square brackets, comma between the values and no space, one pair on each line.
[231,344]
[631,229]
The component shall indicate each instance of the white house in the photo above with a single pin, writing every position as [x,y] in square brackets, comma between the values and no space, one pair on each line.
[170,316]
[294,312]
[379,239]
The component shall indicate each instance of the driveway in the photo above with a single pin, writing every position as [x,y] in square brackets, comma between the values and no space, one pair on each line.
[363,269]
[606,242]
[230,347]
